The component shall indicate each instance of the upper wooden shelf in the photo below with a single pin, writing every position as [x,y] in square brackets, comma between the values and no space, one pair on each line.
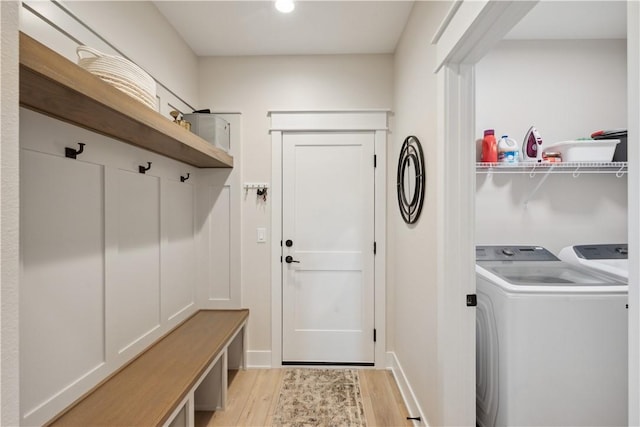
[55,86]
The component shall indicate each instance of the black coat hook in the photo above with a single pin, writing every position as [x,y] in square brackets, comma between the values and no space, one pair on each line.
[72,153]
[142,169]
[184,178]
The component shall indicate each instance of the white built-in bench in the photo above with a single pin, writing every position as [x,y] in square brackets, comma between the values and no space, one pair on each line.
[184,371]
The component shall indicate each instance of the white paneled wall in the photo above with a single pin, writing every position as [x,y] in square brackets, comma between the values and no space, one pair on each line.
[133,296]
[112,258]
[219,199]
[178,248]
[63,279]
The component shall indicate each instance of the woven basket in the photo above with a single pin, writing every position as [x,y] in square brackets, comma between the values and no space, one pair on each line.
[120,73]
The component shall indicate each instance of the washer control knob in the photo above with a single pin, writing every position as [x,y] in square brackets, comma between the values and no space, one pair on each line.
[508,252]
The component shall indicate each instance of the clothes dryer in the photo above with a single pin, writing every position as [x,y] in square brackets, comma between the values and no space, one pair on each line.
[608,258]
[551,341]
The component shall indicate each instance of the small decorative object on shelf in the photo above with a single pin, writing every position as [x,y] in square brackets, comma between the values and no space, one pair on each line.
[185,124]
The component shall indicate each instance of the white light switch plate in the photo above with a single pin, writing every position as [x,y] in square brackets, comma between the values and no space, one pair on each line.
[262,234]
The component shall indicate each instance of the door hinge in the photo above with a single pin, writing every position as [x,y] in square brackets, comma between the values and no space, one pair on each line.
[280,259]
[374,335]
[375,160]
[375,247]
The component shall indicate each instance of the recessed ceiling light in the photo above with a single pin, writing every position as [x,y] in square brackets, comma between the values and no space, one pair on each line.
[285,6]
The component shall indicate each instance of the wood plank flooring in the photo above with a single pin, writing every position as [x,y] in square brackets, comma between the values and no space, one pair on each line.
[253,396]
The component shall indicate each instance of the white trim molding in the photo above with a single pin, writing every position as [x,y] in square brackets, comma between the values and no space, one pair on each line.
[370,120]
[259,359]
[375,121]
[408,396]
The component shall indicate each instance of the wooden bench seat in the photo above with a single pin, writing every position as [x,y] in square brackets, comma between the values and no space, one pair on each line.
[152,388]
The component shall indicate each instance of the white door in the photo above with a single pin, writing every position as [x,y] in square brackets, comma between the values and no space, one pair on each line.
[328,239]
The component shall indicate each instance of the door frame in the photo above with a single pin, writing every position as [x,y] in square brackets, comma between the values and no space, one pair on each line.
[374,121]
[468,32]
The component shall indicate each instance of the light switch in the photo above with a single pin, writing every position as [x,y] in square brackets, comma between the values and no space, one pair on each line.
[262,234]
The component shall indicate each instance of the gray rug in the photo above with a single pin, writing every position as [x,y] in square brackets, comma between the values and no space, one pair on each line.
[320,397]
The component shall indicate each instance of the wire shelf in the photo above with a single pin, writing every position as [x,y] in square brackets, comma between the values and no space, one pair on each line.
[575,168]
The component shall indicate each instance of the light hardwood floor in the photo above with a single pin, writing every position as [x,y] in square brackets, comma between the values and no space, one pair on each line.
[253,396]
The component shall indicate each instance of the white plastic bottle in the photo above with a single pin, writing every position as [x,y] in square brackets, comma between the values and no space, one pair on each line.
[508,150]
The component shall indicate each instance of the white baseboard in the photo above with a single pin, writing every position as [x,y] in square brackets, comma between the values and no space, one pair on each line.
[259,359]
[405,390]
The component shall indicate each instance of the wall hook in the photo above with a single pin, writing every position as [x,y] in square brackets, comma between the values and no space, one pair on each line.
[142,169]
[72,153]
[184,178]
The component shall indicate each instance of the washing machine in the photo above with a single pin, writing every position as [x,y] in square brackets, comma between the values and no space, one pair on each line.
[551,341]
[608,258]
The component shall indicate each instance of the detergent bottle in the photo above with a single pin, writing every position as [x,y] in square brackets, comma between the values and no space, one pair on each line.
[489,147]
[508,150]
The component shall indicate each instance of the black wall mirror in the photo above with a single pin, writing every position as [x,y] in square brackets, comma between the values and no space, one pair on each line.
[411,179]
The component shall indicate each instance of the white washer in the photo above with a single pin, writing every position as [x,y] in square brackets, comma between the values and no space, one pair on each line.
[551,341]
[608,258]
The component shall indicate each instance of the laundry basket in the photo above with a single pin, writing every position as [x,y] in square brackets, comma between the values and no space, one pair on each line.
[120,73]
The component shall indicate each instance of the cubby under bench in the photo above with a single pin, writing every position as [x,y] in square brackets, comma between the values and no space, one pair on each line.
[184,371]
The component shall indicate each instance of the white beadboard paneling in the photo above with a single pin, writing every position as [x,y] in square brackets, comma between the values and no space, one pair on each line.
[62,291]
[178,248]
[134,283]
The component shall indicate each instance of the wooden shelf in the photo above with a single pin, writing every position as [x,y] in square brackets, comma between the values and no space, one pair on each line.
[55,86]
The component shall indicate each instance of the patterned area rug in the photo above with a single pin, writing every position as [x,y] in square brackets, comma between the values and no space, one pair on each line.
[320,397]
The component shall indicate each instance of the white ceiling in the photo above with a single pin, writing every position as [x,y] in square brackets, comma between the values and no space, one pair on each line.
[236,28]
[220,28]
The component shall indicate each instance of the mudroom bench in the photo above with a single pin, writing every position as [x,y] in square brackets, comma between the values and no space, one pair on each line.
[184,371]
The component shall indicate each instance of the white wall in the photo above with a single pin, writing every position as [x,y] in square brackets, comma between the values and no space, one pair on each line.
[254,86]
[141,32]
[9,214]
[567,89]
[412,249]
[134,29]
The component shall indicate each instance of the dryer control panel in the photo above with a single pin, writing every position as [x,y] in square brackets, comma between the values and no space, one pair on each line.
[619,251]
[513,253]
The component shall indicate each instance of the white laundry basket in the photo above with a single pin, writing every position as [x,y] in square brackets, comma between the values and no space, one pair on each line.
[120,73]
